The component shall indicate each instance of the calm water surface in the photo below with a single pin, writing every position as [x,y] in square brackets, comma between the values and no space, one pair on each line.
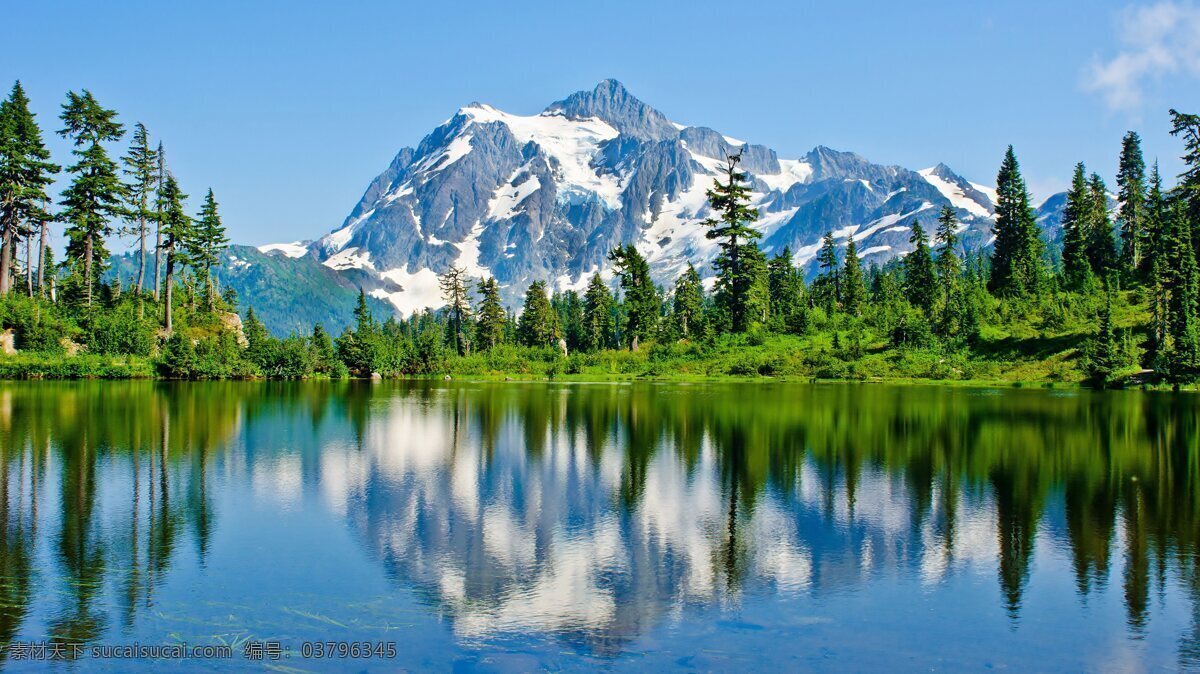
[516,527]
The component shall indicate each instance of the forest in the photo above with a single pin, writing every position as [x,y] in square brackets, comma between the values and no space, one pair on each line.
[1114,303]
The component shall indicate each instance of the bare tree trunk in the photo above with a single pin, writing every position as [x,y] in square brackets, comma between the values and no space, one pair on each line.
[87,269]
[29,264]
[168,323]
[41,274]
[142,254]
[6,260]
[157,252]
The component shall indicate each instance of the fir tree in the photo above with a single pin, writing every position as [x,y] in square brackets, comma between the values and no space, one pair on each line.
[598,325]
[489,331]
[204,248]
[454,291]
[739,270]
[920,282]
[177,230]
[1183,348]
[1102,358]
[1102,249]
[1017,267]
[854,291]
[1187,127]
[159,208]
[324,357]
[827,288]
[1077,269]
[688,307]
[950,300]
[538,325]
[141,166]
[1131,193]
[786,286]
[641,301]
[569,309]
[1156,263]
[95,196]
[25,172]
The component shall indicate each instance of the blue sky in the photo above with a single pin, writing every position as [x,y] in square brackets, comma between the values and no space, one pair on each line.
[288,109]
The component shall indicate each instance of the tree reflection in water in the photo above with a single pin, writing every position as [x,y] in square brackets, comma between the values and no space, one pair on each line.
[593,513]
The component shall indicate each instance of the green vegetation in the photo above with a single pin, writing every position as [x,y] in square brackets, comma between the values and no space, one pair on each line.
[1119,305]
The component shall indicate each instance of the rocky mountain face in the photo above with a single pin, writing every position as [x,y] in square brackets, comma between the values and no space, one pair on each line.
[546,196]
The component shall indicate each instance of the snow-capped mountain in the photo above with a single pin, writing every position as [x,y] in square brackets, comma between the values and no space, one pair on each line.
[546,196]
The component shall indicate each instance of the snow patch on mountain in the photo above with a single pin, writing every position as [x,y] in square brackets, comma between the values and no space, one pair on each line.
[293,249]
[571,143]
[954,193]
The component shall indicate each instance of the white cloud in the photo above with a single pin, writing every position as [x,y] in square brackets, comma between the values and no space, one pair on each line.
[1156,40]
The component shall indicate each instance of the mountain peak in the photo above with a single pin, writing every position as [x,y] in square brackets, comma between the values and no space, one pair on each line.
[611,102]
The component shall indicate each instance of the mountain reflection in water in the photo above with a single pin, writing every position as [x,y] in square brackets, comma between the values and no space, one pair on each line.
[596,516]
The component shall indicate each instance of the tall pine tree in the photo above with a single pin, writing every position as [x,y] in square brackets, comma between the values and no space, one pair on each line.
[827,289]
[538,325]
[688,308]
[454,291]
[206,245]
[1077,268]
[1102,247]
[489,330]
[141,168]
[641,302]
[25,173]
[96,195]
[739,289]
[854,290]
[599,329]
[177,230]
[1131,193]
[1017,266]
[920,280]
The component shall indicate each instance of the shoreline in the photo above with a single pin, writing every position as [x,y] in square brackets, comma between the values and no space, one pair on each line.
[144,371]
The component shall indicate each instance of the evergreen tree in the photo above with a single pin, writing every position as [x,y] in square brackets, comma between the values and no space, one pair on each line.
[599,331]
[258,340]
[569,309]
[1102,358]
[854,291]
[489,331]
[177,230]
[159,209]
[324,357]
[786,286]
[454,291]
[1156,264]
[1102,248]
[357,347]
[1188,127]
[538,325]
[25,172]
[1183,347]
[1131,193]
[739,269]
[141,166]
[688,307]
[827,288]
[95,195]
[641,300]
[1017,267]
[1077,268]
[204,248]
[949,301]
[920,281]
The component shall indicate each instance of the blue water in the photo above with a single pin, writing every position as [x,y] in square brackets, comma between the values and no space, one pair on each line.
[523,527]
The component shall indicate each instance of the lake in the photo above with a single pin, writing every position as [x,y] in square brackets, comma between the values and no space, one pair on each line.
[528,526]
